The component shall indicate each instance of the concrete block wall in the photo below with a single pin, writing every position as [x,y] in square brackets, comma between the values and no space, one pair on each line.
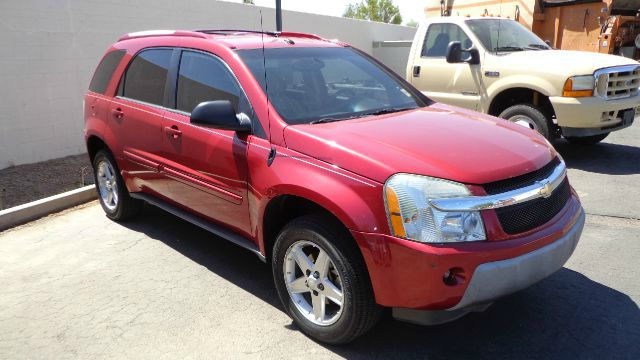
[51,47]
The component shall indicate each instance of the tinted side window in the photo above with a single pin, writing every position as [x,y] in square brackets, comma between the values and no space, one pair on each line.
[105,70]
[204,78]
[438,38]
[146,76]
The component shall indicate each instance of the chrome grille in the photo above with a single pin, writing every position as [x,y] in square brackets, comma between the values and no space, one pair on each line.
[617,82]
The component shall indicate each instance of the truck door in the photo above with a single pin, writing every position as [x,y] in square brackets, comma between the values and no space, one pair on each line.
[455,84]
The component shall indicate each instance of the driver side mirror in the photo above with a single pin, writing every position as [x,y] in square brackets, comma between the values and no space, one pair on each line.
[219,114]
[455,54]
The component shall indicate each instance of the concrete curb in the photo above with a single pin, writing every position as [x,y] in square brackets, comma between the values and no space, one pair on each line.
[36,209]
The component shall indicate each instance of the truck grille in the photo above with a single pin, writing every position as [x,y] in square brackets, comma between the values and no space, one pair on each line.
[617,82]
[531,214]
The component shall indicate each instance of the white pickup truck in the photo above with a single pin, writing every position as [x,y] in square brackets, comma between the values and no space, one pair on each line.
[497,66]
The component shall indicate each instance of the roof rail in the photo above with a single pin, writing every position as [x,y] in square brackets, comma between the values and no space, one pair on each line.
[149,33]
[272,33]
[235,31]
[301,35]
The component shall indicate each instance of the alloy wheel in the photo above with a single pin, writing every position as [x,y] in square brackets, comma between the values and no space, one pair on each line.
[313,283]
[106,177]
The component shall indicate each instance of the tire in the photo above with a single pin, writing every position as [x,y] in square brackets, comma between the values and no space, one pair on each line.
[115,200]
[586,140]
[530,116]
[345,270]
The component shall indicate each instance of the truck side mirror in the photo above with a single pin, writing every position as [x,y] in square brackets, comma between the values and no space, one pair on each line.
[455,54]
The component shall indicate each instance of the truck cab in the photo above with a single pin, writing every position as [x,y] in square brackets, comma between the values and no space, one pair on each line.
[497,66]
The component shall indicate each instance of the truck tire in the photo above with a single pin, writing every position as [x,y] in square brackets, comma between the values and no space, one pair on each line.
[112,192]
[528,115]
[587,140]
[322,280]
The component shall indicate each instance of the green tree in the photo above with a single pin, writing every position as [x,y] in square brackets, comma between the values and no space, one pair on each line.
[374,10]
[412,23]
[248,2]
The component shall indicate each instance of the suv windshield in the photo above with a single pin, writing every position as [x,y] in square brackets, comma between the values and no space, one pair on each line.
[498,35]
[315,85]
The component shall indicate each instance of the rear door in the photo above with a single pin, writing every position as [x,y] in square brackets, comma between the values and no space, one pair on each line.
[455,84]
[137,113]
[207,167]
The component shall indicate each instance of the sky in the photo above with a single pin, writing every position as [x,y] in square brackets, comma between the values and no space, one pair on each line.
[409,9]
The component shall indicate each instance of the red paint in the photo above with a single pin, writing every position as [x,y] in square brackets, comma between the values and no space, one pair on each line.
[341,166]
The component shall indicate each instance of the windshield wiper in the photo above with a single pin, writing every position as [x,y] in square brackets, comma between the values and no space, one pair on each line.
[538,47]
[377,112]
[389,110]
[325,120]
[509,48]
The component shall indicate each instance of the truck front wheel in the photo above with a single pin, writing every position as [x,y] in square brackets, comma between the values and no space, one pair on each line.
[528,116]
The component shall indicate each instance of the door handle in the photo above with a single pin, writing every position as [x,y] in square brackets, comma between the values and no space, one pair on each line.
[117,113]
[416,71]
[173,131]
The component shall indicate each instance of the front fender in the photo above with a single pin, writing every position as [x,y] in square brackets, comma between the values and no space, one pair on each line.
[354,200]
[508,82]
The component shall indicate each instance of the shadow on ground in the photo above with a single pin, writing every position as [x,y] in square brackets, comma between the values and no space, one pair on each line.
[603,158]
[565,316]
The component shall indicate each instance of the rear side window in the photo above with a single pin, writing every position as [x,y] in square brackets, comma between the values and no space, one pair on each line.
[204,78]
[146,76]
[105,70]
[438,38]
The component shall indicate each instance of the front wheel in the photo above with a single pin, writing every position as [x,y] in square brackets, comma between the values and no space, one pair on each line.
[587,140]
[322,280]
[529,116]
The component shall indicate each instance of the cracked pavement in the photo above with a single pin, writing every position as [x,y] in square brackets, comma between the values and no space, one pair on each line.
[76,285]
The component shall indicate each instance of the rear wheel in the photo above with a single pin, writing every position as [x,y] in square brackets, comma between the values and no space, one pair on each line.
[112,192]
[322,280]
[529,116]
[587,140]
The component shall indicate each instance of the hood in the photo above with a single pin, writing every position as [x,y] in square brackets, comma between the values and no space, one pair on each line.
[439,141]
[563,62]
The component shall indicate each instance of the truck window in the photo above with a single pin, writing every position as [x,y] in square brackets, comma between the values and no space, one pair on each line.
[438,38]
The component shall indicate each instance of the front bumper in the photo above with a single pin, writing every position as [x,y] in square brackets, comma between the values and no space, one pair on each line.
[597,115]
[499,278]
[411,275]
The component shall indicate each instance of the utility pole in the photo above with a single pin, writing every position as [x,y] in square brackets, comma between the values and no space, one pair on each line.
[278,15]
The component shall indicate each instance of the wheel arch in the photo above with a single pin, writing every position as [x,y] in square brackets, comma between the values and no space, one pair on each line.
[296,202]
[521,95]
[95,144]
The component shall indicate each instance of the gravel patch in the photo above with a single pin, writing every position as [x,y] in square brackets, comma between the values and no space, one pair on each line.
[25,183]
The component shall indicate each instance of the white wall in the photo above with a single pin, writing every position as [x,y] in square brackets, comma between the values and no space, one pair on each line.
[49,49]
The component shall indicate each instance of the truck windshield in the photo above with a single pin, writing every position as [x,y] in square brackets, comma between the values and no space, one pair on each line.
[316,85]
[501,35]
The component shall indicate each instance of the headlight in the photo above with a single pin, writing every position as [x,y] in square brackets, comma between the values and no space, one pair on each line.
[579,86]
[412,217]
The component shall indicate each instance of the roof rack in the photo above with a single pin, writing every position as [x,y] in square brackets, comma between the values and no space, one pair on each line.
[272,33]
[235,32]
[150,33]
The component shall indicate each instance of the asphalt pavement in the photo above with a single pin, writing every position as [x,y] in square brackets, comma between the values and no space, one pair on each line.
[77,285]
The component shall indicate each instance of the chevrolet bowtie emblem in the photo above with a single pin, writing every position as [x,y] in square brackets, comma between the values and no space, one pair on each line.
[546,190]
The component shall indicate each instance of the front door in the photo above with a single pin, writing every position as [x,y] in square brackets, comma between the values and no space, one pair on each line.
[207,167]
[454,84]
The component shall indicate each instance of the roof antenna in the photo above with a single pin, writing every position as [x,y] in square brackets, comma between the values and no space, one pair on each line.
[272,152]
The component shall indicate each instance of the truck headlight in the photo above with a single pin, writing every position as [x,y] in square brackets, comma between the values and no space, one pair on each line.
[579,86]
[412,217]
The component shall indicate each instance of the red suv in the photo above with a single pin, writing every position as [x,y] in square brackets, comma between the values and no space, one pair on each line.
[360,191]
